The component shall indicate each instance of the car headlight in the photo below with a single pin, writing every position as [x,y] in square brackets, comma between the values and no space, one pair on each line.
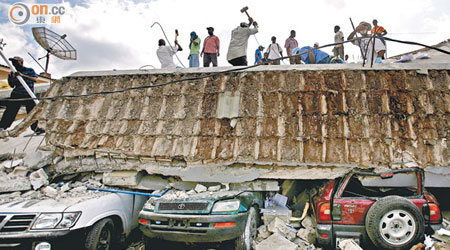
[56,220]
[68,219]
[226,206]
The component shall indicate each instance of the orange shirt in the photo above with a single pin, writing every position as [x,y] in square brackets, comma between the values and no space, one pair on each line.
[379,30]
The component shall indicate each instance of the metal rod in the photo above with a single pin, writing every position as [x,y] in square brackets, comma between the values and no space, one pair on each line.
[18,77]
[373,45]
[128,192]
[167,39]
[36,61]
[359,45]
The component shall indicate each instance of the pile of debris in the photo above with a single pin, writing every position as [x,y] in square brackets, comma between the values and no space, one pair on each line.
[29,176]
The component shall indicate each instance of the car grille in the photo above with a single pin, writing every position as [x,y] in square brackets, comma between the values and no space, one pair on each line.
[183,206]
[15,223]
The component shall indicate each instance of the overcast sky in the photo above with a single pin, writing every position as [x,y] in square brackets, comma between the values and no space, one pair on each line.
[115,34]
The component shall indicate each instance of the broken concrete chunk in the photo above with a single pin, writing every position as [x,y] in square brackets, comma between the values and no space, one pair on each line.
[12,164]
[262,234]
[151,182]
[20,171]
[307,234]
[276,242]
[349,245]
[308,222]
[38,179]
[66,187]
[122,178]
[38,159]
[273,212]
[257,185]
[279,226]
[199,188]
[79,189]
[214,188]
[49,191]
[14,183]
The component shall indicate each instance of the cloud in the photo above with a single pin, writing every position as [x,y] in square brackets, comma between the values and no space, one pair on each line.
[116,34]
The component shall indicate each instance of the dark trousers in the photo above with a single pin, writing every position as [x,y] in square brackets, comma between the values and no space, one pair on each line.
[240,61]
[12,108]
[209,58]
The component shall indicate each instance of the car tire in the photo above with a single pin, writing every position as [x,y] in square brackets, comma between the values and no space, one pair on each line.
[244,242]
[394,222]
[101,236]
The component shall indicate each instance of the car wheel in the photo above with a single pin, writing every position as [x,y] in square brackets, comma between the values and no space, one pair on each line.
[394,222]
[101,235]
[244,242]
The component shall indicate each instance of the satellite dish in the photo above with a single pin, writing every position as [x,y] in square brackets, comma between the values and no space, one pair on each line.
[54,44]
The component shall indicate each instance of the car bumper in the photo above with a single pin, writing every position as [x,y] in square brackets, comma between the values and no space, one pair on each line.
[191,228]
[28,240]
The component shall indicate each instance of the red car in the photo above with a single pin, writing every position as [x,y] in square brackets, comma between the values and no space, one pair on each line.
[390,210]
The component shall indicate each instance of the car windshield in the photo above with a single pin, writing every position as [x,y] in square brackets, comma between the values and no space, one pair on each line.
[402,184]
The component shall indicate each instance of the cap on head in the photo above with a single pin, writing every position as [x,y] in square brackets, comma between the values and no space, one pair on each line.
[210,28]
[244,25]
[261,47]
[316,44]
[337,27]
[16,58]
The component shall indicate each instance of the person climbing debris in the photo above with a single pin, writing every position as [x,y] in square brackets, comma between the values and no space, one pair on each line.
[19,92]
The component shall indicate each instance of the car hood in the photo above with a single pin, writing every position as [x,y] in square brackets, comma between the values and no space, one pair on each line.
[47,205]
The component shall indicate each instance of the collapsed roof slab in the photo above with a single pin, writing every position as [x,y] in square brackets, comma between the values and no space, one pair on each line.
[281,119]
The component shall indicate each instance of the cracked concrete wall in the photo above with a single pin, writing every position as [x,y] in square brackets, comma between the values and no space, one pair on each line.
[287,119]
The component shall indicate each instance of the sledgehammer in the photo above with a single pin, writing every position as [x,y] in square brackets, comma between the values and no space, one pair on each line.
[244,10]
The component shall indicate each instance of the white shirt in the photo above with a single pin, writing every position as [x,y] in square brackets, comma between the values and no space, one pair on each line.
[165,56]
[367,44]
[239,42]
[274,51]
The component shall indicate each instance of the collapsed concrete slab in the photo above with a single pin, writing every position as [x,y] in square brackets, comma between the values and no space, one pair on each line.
[271,122]
[276,242]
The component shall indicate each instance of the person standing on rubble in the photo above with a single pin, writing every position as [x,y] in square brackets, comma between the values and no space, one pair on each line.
[165,54]
[367,44]
[338,49]
[275,51]
[19,92]
[194,47]
[237,51]
[290,45]
[211,47]
[259,58]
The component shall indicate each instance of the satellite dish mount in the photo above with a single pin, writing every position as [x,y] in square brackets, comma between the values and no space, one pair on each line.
[54,44]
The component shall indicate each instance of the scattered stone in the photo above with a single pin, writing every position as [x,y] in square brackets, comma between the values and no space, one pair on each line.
[276,242]
[122,178]
[38,159]
[349,245]
[262,234]
[275,211]
[307,234]
[279,226]
[38,179]
[308,222]
[79,189]
[49,191]
[66,187]
[12,164]
[191,192]
[94,183]
[20,171]
[14,183]
[214,188]
[199,188]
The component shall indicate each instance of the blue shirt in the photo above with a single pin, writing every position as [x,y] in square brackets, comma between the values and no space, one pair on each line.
[318,54]
[18,88]
[258,56]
